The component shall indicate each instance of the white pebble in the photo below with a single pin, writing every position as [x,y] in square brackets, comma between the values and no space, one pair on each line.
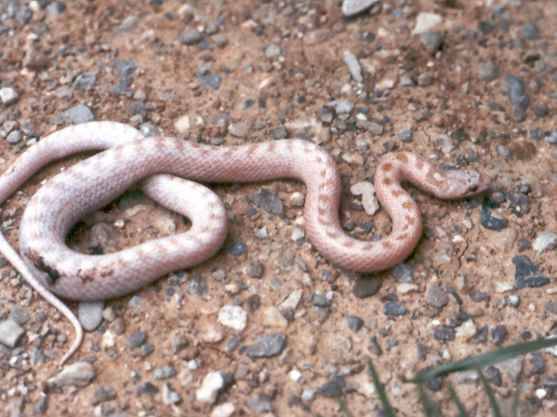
[233,317]
[210,387]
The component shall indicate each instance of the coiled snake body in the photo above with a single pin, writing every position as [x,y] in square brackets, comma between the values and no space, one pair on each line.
[159,164]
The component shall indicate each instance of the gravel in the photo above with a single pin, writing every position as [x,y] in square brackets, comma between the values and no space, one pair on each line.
[545,241]
[10,333]
[394,309]
[8,96]
[527,274]
[433,41]
[488,71]
[234,317]
[266,346]
[354,7]
[516,90]
[268,200]
[366,287]
[90,314]
[75,115]
[78,374]
[353,66]
[190,37]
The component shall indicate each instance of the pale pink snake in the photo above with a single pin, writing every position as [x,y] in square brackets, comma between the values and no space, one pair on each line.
[49,266]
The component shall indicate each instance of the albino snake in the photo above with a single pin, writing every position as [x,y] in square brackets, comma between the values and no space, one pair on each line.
[49,266]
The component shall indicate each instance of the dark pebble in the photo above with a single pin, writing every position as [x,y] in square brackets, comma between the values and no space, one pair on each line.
[354,323]
[520,204]
[333,388]
[536,134]
[403,273]
[147,388]
[267,200]
[530,31]
[434,384]
[444,333]
[319,300]
[526,273]
[499,334]
[516,91]
[366,287]
[190,37]
[493,375]
[437,296]
[85,81]
[279,132]
[394,309]
[490,222]
[479,296]
[406,135]
[255,270]
[541,110]
[481,335]
[432,40]
[237,249]
[197,285]
[538,363]
[260,404]
[266,346]
[103,394]
[136,339]
[210,80]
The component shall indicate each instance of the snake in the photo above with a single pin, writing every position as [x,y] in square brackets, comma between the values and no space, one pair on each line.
[171,171]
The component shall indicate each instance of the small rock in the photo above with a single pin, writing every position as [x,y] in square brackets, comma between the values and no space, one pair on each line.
[406,135]
[210,387]
[255,270]
[366,287]
[239,129]
[237,248]
[298,234]
[14,137]
[273,51]
[78,374]
[136,339]
[437,296]
[164,372]
[320,300]
[334,388]
[76,115]
[279,132]
[526,273]
[267,346]
[403,273]
[297,199]
[291,302]
[272,317]
[394,309]
[488,71]
[90,314]
[354,323]
[85,81]
[353,7]
[490,222]
[367,191]
[545,241]
[353,66]
[499,334]
[516,90]
[260,404]
[233,317]
[342,106]
[223,410]
[425,22]
[444,333]
[55,8]
[530,31]
[268,201]
[10,333]
[190,37]
[103,394]
[466,330]
[8,95]
[432,40]
[169,396]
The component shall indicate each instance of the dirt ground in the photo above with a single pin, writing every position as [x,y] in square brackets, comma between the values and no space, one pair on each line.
[478,90]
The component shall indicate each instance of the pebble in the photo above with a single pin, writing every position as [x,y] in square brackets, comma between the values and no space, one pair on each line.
[291,302]
[444,333]
[239,129]
[272,317]
[530,31]
[488,71]
[342,106]
[190,37]
[546,240]
[14,137]
[516,90]
[90,314]
[255,270]
[466,330]
[273,51]
[10,333]
[366,287]
[551,138]
[432,40]
[267,200]
[297,199]
[437,296]
[298,234]
[499,334]
[394,309]
[85,81]
[490,222]
[320,300]
[136,339]
[234,317]
[223,410]
[169,396]
[19,315]
[77,374]
[266,346]
[237,248]
[8,95]
[367,191]
[526,273]
[406,135]
[279,132]
[102,394]
[353,66]
[76,115]
[403,273]
[210,387]
[56,8]
[354,323]
[260,404]
[353,7]
[425,22]
[333,388]
[164,372]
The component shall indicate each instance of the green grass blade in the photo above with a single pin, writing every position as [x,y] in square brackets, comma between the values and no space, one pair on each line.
[490,395]
[388,409]
[431,409]
[486,359]
[454,396]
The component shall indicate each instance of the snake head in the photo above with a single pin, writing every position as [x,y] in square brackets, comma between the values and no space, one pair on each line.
[464,183]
